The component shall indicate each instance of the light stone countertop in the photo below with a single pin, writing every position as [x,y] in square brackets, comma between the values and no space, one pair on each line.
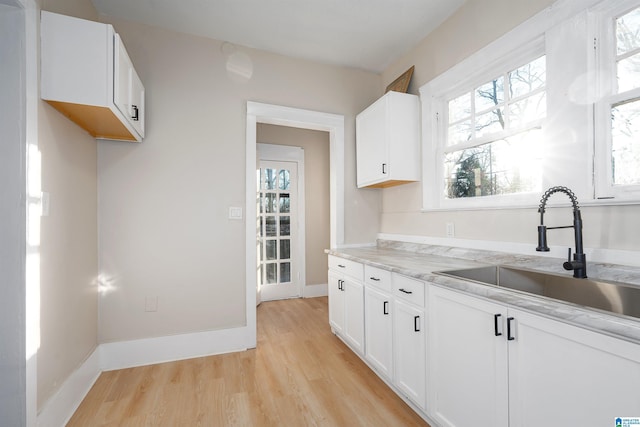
[422,261]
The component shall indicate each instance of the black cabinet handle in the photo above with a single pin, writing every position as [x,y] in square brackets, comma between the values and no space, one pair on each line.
[135,112]
[416,323]
[509,336]
[375,279]
[385,307]
[495,324]
[384,168]
[405,291]
[341,285]
[341,266]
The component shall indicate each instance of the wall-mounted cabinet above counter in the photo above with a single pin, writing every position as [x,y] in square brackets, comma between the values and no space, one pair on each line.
[388,141]
[87,75]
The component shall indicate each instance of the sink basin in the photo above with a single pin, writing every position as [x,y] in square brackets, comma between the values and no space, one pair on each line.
[609,296]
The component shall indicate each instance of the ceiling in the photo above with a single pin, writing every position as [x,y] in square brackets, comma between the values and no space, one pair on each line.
[364,34]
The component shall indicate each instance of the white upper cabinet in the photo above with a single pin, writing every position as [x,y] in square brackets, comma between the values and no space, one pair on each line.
[388,141]
[128,91]
[87,75]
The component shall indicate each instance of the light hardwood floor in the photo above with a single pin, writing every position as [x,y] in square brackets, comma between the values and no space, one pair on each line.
[299,375]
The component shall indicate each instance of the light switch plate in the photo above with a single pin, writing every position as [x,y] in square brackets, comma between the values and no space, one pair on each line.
[45,201]
[235,212]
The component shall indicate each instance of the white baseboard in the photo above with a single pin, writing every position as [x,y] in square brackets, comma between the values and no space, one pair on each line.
[57,411]
[149,351]
[312,291]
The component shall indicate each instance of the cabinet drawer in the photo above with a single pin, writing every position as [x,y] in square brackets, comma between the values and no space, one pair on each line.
[345,266]
[409,289]
[377,277]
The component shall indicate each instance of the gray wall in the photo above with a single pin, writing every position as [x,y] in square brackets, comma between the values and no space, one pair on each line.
[163,203]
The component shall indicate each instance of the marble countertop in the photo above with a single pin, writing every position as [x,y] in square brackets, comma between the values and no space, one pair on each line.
[422,261]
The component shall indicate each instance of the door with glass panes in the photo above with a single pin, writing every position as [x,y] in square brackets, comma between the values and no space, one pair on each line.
[277,230]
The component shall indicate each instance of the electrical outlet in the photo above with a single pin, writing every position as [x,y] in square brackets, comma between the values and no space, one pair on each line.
[151,304]
[451,232]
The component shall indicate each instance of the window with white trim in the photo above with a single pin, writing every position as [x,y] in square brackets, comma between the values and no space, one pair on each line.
[493,132]
[617,110]
[554,102]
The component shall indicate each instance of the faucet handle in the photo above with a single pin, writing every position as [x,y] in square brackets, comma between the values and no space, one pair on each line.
[567,264]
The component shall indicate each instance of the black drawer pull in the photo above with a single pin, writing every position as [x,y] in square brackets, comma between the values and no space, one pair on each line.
[385,307]
[375,279]
[405,291]
[509,336]
[416,323]
[341,266]
[495,325]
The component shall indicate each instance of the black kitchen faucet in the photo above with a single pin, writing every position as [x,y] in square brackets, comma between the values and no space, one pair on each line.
[579,262]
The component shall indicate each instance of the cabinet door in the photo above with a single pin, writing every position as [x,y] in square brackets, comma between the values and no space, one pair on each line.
[137,103]
[336,302]
[354,314]
[128,91]
[409,349]
[371,136]
[379,331]
[467,361]
[562,375]
[121,78]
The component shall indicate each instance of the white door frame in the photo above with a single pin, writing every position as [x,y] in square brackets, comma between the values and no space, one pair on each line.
[296,118]
[285,153]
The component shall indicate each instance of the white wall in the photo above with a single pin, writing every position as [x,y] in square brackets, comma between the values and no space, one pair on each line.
[69,246]
[69,260]
[474,26]
[164,202]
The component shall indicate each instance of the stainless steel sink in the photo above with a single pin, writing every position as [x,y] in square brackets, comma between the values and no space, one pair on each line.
[609,296]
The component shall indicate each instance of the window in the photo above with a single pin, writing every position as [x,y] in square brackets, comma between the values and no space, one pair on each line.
[554,102]
[492,142]
[618,110]
[484,130]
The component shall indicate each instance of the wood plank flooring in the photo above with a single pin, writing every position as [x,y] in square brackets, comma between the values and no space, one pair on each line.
[299,375]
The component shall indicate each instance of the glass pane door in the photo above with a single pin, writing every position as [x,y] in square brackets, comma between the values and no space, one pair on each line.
[277,228]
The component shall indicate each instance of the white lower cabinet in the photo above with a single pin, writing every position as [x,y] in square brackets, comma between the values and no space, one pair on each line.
[346,302]
[379,331]
[468,378]
[409,338]
[409,345]
[562,375]
[354,314]
[490,365]
[336,302]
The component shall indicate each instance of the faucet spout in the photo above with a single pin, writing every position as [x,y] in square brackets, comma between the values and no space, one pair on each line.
[579,262]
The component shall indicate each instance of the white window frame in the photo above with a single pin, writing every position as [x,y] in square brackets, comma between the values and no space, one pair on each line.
[564,33]
[524,55]
[602,29]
